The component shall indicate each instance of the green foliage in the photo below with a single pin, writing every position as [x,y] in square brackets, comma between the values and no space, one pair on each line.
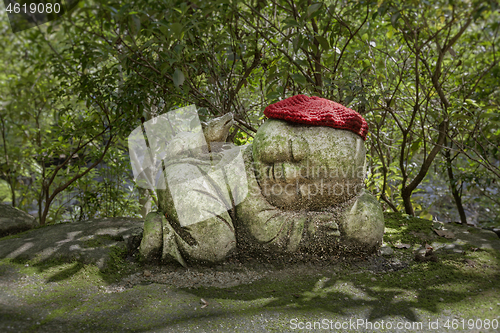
[106,191]
[423,76]
[5,194]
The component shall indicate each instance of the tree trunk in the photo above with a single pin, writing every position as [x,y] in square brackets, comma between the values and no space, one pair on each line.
[457,195]
[11,175]
[406,195]
[408,190]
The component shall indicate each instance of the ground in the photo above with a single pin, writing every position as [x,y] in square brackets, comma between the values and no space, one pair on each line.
[73,293]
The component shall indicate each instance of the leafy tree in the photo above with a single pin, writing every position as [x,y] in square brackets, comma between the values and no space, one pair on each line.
[420,83]
[424,76]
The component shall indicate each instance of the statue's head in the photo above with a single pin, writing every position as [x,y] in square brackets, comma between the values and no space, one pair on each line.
[302,161]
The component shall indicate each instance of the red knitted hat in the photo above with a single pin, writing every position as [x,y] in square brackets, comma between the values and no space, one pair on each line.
[318,111]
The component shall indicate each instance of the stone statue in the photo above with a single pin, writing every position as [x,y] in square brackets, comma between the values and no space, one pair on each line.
[305,190]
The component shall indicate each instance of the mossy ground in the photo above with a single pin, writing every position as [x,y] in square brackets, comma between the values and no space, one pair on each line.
[406,229]
[61,296]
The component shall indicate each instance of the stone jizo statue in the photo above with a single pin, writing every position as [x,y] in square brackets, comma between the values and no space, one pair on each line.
[304,190]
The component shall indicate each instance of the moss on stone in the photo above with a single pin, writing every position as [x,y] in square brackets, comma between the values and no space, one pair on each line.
[101,240]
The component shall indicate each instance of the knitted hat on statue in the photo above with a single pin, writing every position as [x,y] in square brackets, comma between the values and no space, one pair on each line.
[318,111]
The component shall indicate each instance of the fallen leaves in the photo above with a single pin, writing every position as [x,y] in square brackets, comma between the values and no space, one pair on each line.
[470,263]
[444,233]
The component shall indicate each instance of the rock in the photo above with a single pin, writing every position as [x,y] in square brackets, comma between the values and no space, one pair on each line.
[88,241]
[133,238]
[495,230]
[386,251]
[13,220]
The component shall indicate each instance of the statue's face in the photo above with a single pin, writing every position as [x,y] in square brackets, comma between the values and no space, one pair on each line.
[307,167]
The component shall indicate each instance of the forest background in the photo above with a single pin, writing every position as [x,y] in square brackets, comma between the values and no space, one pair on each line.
[425,75]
